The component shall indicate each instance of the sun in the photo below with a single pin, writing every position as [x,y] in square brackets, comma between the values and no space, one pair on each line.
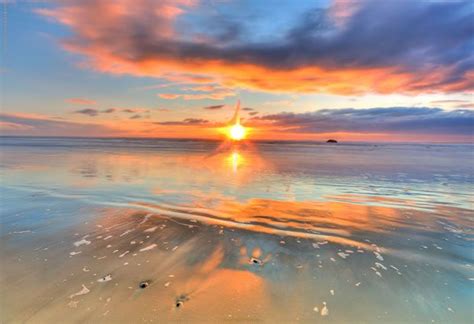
[237,132]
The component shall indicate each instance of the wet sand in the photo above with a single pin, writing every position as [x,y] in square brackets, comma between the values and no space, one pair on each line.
[79,244]
[202,271]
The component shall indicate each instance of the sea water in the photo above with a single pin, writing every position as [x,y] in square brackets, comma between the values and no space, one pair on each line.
[149,230]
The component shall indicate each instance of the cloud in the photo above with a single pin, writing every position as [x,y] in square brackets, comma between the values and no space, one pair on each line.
[251,111]
[134,110]
[279,103]
[137,116]
[468,105]
[449,101]
[205,92]
[13,126]
[394,120]
[215,107]
[185,122]
[205,88]
[88,111]
[374,46]
[169,95]
[95,112]
[196,96]
[81,101]
[29,125]
[40,125]
[456,103]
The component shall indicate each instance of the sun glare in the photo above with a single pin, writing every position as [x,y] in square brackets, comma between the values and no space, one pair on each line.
[237,132]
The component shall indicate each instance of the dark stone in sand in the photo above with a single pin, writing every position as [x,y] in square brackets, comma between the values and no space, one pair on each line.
[256,261]
[180,300]
[144,284]
[331,141]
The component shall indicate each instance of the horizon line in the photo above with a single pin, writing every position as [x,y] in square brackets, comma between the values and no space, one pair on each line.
[255,140]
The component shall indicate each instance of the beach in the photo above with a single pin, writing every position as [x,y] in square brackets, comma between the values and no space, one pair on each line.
[150,230]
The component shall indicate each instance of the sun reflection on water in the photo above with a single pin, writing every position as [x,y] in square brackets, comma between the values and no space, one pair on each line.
[236,160]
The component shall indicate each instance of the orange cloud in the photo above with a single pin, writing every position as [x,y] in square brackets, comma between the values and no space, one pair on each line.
[304,63]
[81,101]
[209,92]
[168,95]
[383,80]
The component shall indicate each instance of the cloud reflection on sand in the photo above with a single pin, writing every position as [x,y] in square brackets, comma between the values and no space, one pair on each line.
[239,262]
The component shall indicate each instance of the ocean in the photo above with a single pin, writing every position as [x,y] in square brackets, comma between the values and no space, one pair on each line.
[154,230]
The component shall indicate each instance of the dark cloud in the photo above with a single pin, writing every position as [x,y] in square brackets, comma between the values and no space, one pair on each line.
[247,109]
[134,110]
[185,122]
[88,111]
[95,112]
[215,107]
[408,36]
[253,113]
[403,120]
[449,101]
[403,34]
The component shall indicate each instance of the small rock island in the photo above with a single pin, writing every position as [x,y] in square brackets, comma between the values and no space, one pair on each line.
[331,141]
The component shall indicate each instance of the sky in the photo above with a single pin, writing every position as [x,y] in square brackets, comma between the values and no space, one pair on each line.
[368,70]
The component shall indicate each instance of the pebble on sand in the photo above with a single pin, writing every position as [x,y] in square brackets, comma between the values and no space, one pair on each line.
[83,291]
[105,279]
[324,310]
[82,242]
[149,247]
